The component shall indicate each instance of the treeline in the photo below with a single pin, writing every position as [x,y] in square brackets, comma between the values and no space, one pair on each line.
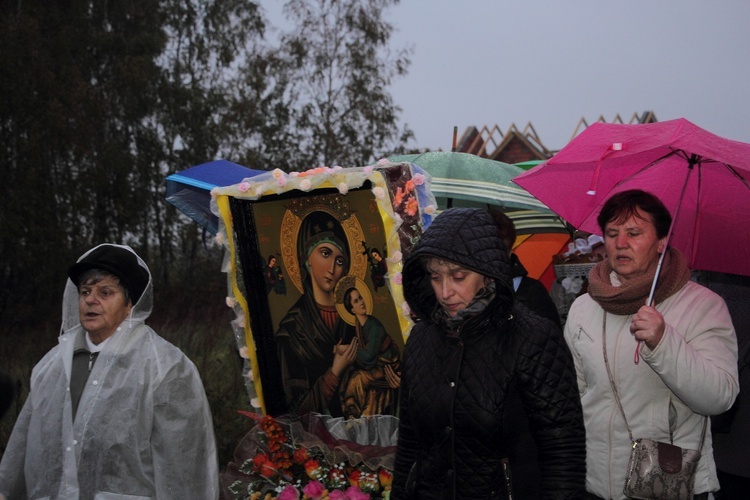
[101,100]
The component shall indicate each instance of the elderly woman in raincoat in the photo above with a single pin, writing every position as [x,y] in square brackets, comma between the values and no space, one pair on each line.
[114,410]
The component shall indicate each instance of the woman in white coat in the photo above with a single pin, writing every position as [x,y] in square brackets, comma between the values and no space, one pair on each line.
[114,411]
[687,348]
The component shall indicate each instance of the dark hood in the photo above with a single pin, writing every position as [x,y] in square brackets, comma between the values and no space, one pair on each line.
[465,236]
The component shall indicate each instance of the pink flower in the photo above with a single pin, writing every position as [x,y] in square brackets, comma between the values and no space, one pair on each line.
[281,181]
[397,279]
[337,495]
[383,161]
[398,198]
[305,185]
[354,493]
[368,169]
[314,489]
[405,310]
[418,179]
[412,207]
[288,493]
[244,186]
[396,257]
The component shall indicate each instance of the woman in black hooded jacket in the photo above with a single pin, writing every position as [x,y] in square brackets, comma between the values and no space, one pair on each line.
[488,388]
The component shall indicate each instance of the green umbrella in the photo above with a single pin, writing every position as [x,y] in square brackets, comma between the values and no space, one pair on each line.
[467,180]
[464,176]
[527,165]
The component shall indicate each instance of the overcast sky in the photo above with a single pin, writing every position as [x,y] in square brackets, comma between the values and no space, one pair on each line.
[487,62]
[553,62]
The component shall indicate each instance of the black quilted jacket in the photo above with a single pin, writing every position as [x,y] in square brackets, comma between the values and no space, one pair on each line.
[505,386]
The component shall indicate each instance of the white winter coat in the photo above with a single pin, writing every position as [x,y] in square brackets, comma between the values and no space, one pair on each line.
[691,373]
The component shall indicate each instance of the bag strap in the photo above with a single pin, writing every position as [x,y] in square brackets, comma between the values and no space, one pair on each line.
[617,395]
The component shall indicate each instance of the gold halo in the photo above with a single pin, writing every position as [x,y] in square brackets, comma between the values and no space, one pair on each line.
[342,286]
[290,225]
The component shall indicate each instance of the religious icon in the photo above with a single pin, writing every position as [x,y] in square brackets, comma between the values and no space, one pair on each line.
[318,338]
[370,386]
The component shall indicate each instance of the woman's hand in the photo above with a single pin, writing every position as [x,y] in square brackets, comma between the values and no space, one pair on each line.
[392,377]
[344,355]
[648,326]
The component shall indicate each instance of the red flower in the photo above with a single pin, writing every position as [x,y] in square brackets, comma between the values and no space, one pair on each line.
[283,459]
[260,459]
[313,469]
[354,477]
[269,469]
[385,478]
[301,455]
[273,430]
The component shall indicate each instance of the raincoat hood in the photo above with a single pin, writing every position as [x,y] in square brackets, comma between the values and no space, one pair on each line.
[465,236]
[123,262]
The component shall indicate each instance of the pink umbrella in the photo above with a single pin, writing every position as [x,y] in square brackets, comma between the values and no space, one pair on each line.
[701,178]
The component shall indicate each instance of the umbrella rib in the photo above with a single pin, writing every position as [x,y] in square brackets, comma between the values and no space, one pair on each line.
[653,163]
[737,175]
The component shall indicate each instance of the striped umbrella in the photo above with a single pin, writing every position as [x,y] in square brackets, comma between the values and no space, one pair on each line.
[466,180]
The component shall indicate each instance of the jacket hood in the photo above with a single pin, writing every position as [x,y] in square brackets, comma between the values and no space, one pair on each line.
[465,236]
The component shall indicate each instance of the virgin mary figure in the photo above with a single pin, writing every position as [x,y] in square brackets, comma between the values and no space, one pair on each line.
[308,335]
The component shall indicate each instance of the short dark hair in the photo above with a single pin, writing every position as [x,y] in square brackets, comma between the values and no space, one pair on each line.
[505,227]
[622,206]
[94,276]
[348,299]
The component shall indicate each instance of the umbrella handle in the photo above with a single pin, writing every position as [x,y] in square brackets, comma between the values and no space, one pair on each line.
[637,354]
[692,161]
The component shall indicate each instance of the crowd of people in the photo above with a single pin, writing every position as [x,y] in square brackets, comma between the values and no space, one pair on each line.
[496,397]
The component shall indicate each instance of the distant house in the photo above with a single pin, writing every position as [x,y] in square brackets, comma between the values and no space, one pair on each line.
[517,146]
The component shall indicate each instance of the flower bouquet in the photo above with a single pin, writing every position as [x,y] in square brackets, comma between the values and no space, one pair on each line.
[313,457]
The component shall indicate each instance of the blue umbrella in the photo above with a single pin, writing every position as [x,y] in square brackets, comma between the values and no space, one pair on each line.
[190,189]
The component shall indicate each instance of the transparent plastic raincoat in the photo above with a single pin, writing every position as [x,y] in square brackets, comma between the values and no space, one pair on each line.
[143,427]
